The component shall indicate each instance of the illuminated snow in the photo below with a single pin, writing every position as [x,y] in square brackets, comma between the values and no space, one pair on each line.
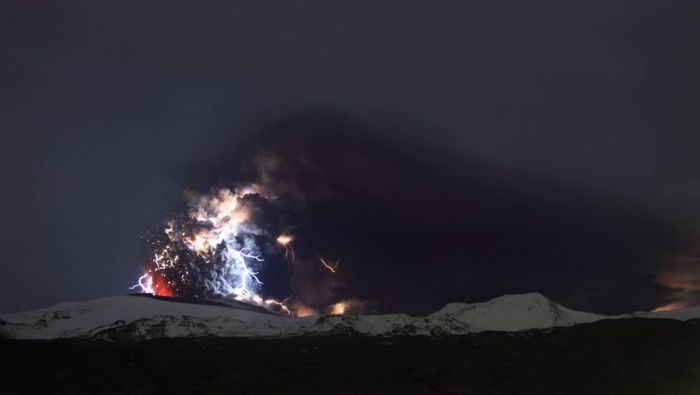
[142,314]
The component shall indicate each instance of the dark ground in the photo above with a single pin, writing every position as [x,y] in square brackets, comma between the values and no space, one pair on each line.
[608,357]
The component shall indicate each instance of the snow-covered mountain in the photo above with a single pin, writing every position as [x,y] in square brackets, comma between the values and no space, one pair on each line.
[512,313]
[134,317]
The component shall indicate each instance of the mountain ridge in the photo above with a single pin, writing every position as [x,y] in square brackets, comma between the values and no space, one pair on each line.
[139,317]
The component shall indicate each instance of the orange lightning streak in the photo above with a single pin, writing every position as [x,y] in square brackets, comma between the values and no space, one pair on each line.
[330,268]
[286,242]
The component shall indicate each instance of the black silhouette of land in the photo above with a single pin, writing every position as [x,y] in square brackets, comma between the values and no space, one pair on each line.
[631,356]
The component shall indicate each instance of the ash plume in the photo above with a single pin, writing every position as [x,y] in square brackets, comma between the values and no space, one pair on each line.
[221,245]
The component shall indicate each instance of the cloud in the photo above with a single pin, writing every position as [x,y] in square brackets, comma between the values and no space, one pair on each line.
[682,274]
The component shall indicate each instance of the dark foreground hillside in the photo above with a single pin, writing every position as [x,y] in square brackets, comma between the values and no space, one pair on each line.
[608,357]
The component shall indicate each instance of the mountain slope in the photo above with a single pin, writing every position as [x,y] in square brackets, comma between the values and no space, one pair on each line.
[630,356]
[147,317]
[513,313]
[140,317]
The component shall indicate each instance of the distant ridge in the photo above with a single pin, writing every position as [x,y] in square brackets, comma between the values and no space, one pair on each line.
[139,317]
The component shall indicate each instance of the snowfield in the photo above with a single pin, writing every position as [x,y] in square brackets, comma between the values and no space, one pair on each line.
[140,317]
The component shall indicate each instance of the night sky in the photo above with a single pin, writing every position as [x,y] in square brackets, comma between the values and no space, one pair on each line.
[443,151]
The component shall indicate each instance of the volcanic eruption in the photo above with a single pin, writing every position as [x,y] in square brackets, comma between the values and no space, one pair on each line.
[212,250]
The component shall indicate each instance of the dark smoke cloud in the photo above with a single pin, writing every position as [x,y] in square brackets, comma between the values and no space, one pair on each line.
[417,227]
[543,127]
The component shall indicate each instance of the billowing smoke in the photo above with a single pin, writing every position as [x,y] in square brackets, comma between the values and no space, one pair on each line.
[222,244]
[213,250]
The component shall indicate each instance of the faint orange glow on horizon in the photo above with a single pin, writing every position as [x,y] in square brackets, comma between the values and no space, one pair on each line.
[681,274]
[338,308]
[304,311]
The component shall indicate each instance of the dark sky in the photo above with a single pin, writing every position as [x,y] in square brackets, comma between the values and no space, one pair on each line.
[464,149]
